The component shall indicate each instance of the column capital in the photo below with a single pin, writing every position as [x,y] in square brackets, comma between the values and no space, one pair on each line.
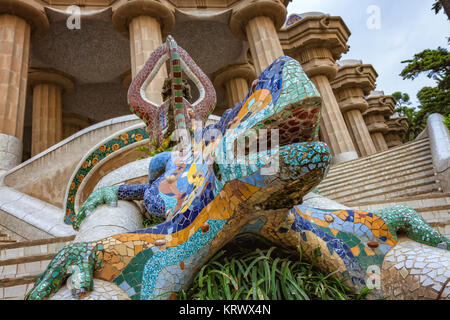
[375,127]
[127,10]
[316,30]
[397,128]
[30,11]
[243,13]
[355,74]
[41,76]
[380,104]
[76,119]
[245,71]
[354,80]
[398,125]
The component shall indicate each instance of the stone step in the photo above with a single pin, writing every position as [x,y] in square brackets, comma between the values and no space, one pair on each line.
[33,248]
[375,176]
[414,202]
[24,259]
[416,184]
[25,266]
[369,163]
[420,158]
[378,168]
[16,288]
[376,184]
[423,189]
[403,149]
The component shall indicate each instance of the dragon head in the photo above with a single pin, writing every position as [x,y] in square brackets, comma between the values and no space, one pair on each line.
[269,135]
[264,141]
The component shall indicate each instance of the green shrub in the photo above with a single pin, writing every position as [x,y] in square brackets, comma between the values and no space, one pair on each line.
[447,122]
[271,273]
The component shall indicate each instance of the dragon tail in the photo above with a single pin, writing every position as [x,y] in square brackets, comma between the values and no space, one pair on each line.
[404,218]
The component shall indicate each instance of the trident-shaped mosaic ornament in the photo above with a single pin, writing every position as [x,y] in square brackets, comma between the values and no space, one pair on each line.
[177,113]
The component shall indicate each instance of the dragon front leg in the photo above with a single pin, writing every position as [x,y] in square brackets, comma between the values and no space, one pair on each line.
[79,259]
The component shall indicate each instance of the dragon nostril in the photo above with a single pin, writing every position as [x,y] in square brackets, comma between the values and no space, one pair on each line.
[205,227]
[372,244]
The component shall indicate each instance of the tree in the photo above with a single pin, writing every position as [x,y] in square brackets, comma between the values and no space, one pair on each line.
[416,122]
[435,64]
[442,4]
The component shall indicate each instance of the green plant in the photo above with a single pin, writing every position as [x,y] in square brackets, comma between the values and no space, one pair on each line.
[244,273]
[152,220]
[416,121]
[153,149]
[447,122]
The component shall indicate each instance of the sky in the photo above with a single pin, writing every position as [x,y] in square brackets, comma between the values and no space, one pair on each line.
[404,28]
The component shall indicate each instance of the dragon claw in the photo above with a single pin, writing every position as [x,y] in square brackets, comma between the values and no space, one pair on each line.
[75,260]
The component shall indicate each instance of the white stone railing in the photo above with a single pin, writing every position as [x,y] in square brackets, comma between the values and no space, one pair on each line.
[440,148]
[45,175]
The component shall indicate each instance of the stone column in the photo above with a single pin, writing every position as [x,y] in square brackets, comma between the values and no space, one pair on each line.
[236,79]
[144,23]
[72,123]
[353,82]
[317,41]
[258,22]
[18,20]
[397,128]
[48,87]
[381,107]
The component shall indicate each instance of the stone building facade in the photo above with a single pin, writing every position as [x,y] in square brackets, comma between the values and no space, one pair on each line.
[64,68]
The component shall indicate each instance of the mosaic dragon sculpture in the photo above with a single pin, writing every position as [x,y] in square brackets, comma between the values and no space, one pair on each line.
[208,197]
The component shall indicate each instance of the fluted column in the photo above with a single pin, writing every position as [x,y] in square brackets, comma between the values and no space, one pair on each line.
[352,83]
[144,22]
[236,80]
[316,41]
[18,20]
[381,107]
[48,87]
[258,23]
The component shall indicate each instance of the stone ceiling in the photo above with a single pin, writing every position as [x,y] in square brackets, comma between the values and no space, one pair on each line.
[97,57]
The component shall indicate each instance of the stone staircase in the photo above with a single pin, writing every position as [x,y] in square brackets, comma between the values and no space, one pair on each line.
[401,175]
[22,262]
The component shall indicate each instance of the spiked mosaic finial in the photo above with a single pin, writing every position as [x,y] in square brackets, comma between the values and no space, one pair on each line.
[172,114]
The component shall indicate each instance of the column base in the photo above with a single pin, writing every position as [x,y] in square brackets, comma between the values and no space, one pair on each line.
[10,152]
[344,157]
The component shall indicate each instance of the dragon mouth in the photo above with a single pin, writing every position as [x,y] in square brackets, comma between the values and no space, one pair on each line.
[298,122]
